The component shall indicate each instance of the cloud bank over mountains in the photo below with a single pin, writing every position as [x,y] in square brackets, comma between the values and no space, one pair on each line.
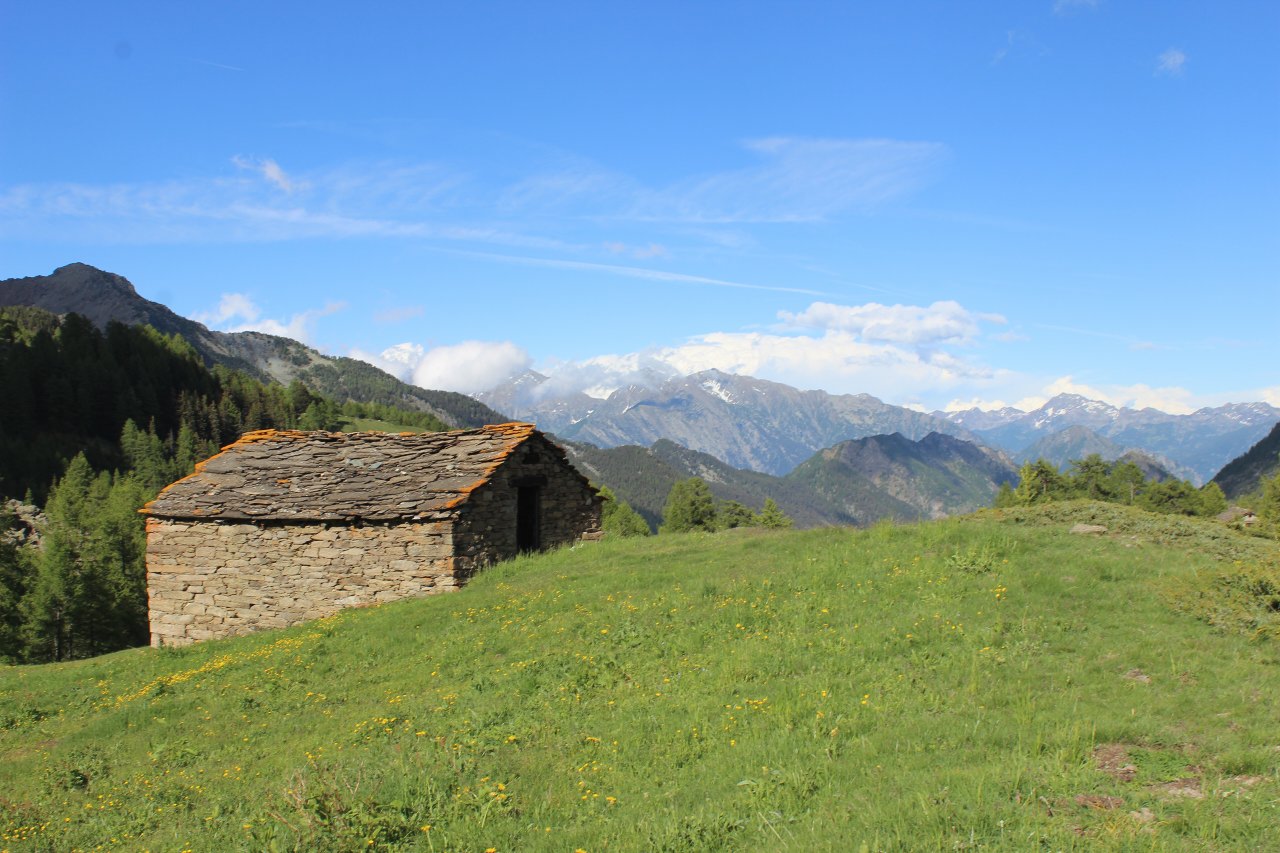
[876,348]
[926,357]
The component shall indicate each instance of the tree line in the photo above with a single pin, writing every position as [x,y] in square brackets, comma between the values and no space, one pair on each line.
[95,424]
[1094,478]
[690,506]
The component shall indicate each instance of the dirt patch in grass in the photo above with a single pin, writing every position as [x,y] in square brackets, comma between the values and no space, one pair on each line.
[1113,759]
[1188,788]
[1098,801]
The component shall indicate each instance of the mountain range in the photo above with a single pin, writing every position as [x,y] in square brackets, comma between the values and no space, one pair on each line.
[104,297]
[771,427]
[749,423]
[1194,446]
[825,458]
[857,482]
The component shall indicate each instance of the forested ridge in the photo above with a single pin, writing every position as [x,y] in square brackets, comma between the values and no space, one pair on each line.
[94,424]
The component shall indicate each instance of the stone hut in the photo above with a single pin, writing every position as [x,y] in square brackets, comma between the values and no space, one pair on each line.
[286,526]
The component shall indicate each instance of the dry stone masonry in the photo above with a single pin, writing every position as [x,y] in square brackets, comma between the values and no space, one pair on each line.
[285,526]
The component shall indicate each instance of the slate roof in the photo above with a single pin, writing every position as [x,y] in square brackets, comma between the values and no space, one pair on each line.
[293,475]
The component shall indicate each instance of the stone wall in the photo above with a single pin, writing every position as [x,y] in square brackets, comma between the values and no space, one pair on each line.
[569,508]
[209,579]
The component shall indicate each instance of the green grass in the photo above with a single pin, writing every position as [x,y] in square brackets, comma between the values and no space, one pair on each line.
[988,683]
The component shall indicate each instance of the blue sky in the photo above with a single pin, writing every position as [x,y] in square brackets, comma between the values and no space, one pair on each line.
[937,203]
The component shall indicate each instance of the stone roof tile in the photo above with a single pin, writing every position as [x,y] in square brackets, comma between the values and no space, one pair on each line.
[294,475]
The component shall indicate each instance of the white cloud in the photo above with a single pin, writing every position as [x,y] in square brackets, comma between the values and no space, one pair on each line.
[231,306]
[890,351]
[1270,395]
[835,361]
[469,367]
[1171,399]
[975,403]
[399,360]
[601,375]
[269,169]
[940,323]
[236,312]
[1171,62]
[870,357]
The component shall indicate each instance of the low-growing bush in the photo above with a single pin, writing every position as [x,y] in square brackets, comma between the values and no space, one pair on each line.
[1242,598]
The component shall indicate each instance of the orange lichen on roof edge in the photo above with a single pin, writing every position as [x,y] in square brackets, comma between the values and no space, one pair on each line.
[516,434]
[247,438]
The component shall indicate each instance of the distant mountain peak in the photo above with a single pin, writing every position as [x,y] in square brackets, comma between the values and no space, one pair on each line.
[104,297]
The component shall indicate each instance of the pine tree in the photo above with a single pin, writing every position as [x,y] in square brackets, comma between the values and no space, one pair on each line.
[89,592]
[773,517]
[617,518]
[1212,500]
[1269,507]
[14,578]
[1038,482]
[56,599]
[1091,478]
[731,514]
[689,506]
[1126,482]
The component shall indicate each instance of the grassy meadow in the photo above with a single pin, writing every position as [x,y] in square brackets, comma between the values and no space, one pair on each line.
[985,683]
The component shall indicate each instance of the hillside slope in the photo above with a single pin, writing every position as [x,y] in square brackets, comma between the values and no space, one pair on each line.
[102,297]
[1246,472]
[891,476]
[644,476]
[968,684]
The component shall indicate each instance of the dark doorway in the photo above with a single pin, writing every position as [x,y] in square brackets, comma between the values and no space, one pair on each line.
[528,520]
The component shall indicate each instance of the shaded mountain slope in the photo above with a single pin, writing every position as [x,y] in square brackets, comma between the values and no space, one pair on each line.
[856,482]
[102,297]
[892,476]
[1246,472]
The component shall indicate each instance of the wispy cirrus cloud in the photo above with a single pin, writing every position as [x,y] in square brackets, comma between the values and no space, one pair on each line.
[269,169]
[796,179]
[378,202]
[1171,63]
[646,273]
[260,199]
[799,180]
